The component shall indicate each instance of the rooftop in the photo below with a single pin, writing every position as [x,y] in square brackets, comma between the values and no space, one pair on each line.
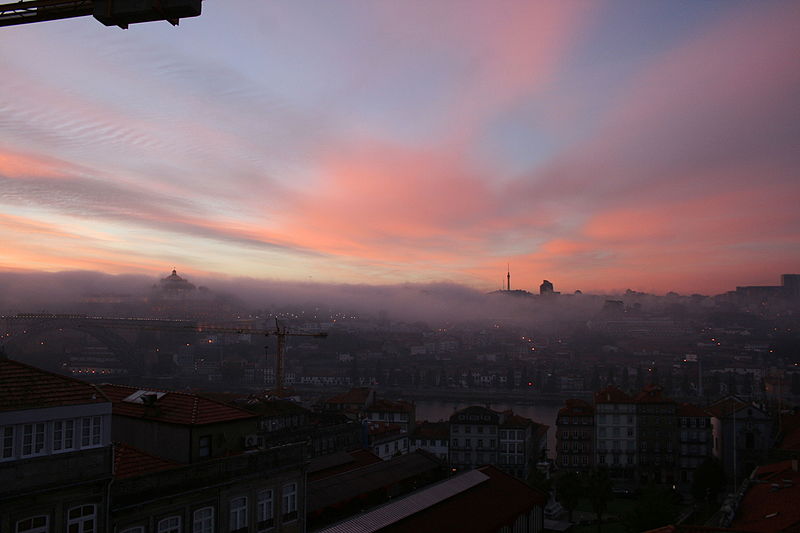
[336,463]
[342,488]
[131,462]
[770,503]
[687,409]
[391,407]
[575,407]
[358,395]
[485,499]
[432,430]
[172,407]
[726,406]
[27,387]
[612,394]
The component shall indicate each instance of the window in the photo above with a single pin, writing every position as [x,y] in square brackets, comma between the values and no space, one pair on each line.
[289,505]
[34,524]
[204,446]
[265,510]
[171,524]
[32,439]
[90,431]
[203,520]
[6,442]
[238,513]
[135,529]
[81,519]
[63,435]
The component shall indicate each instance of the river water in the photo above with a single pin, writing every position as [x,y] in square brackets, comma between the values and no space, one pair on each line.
[542,413]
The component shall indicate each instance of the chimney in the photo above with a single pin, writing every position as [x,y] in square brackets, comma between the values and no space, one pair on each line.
[151,407]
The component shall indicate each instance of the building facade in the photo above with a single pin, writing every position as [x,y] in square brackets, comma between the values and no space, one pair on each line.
[575,434]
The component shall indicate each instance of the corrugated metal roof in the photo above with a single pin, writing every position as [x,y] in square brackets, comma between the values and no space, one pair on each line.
[390,513]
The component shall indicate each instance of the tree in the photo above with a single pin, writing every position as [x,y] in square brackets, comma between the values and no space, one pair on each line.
[598,488]
[569,490]
[654,508]
[708,482]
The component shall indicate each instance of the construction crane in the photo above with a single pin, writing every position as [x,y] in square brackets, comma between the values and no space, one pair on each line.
[110,12]
[279,332]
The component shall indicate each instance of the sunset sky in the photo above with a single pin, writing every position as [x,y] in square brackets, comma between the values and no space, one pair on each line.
[600,145]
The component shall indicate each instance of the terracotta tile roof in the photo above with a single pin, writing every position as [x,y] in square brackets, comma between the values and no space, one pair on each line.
[612,394]
[432,430]
[350,485]
[790,442]
[687,409]
[726,406]
[382,428]
[130,462]
[576,407]
[651,394]
[770,504]
[27,387]
[514,420]
[355,395]
[682,528]
[336,463]
[391,407]
[174,407]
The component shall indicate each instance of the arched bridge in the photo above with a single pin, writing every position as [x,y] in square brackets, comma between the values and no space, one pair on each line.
[24,328]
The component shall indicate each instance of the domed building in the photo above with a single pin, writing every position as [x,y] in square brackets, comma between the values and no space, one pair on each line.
[174,286]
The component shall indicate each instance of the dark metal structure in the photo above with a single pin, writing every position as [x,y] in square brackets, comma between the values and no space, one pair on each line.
[110,12]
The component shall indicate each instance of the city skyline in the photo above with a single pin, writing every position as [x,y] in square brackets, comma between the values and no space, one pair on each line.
[602,146]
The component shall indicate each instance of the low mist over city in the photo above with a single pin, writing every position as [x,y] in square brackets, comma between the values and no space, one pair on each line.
[445,266]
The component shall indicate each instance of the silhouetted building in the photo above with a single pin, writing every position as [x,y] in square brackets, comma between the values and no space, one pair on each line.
[178,426]
[479,435]
[56,456]
[616,432]
[657,435]
[575,436]
[546,288]
[742,435]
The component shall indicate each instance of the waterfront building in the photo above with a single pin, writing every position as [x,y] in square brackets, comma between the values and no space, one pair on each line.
[479,436]
[616,435]
[433,437]
[575,436]
[401,413]
[657,435]
[695,439]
